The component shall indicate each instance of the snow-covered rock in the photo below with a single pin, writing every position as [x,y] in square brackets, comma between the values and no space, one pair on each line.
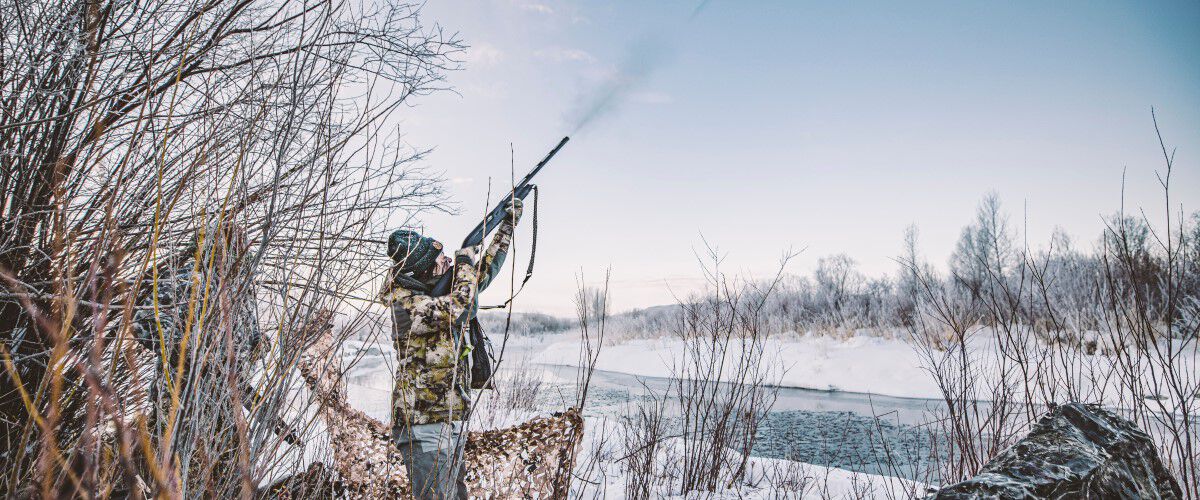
[1075,451]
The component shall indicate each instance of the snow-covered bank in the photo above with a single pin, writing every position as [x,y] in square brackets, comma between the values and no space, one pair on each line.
[764,478]
[772,478]
[866,364]
[859,364]
[887,366]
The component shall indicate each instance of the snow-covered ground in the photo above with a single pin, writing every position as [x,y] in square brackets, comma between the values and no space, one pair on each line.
[884,366]
[859,364]
[887,366]
[369,380]
[765,477]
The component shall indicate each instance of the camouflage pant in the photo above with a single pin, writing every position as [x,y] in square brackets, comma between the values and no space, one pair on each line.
[433,455]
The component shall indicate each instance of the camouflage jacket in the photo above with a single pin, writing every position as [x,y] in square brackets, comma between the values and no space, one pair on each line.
[433,362]
[193,304]
[201,324]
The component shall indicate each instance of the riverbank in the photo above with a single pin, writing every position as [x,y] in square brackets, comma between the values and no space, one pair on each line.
[884,366]
[868,365]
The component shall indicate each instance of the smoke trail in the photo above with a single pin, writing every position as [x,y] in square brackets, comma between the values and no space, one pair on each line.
[640,61]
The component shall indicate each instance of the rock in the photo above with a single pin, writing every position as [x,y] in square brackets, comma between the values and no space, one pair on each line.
[1075,451]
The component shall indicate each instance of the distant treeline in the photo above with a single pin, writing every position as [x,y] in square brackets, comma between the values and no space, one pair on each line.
[524,323]
[1062,287]
[994,277]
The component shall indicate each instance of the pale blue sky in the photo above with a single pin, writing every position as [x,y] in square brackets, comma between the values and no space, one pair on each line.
[826,126]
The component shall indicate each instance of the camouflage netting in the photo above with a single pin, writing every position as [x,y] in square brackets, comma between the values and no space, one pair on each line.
[532,460]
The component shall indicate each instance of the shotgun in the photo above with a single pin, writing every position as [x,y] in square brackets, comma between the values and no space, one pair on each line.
[493,219]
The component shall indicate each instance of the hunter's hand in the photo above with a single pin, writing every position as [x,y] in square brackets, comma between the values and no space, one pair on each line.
[466,255]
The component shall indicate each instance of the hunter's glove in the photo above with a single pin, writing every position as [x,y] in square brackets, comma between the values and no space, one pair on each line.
[466,255]
[513,209]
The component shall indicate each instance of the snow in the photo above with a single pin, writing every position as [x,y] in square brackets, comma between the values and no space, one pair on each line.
[765,477]
[370,376]
[878,365]
[863,364]
[802,481]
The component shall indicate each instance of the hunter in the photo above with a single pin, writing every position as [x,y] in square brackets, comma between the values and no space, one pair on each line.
[199,320]
[431,397]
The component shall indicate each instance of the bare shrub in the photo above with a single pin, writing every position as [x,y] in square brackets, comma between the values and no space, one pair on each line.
[514,397]
[645,460]
[723,379]
[699,434]
[592,317]
[1031,329]
[591,311]
[128,128]
[1150,313]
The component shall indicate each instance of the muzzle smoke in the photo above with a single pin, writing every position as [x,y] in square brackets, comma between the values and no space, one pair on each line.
[640,62]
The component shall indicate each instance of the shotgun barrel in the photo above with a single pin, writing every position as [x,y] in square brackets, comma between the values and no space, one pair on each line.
[520,191]
[493,219]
